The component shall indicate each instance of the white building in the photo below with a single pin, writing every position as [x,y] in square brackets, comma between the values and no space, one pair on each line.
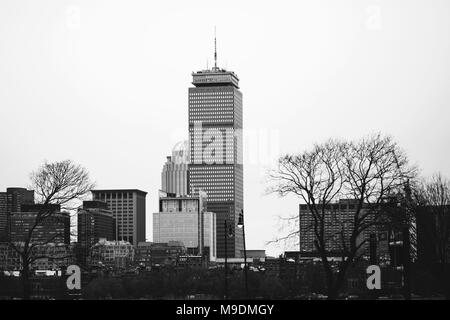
[174,173]
[179,220]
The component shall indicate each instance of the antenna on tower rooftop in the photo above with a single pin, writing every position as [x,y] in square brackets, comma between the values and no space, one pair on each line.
[215,49]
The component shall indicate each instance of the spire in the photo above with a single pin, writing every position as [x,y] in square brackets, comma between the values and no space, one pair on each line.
[215,49]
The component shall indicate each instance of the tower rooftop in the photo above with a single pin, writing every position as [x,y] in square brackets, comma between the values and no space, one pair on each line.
[215,77]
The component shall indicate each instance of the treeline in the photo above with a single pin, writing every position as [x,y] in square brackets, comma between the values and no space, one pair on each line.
[182,284]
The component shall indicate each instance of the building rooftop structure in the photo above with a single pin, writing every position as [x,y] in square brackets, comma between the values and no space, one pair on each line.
[215,77]
[120,190]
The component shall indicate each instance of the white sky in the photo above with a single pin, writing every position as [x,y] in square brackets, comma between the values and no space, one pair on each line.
[105,83]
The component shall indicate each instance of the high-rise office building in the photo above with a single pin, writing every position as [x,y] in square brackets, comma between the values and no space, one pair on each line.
[215,134]
[128,208]
[54,228]
[10,202]
[95,221]
[174,173]
[338,228]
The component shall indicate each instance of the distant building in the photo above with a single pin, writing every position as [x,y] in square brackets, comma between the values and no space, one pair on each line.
[254,254]
[112,254]
[175,170]
[53,256]
[10,202]
[54,227]
[280,267]
[339,219]
[433,240]
[128,208]
[190,261]
[182,219]
[166,254]
[95,221]
[9,258]
[142,255]
[236,262]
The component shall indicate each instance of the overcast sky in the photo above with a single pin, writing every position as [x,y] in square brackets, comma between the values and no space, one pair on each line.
[105,83]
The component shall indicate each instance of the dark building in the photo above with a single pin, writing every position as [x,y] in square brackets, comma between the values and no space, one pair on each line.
[215,140]
[160,254]
[338,224]
[128,209]
[190,261]
[54,228]
[433,234]
[95,221]
[143,256]
[338,219]
[10,202]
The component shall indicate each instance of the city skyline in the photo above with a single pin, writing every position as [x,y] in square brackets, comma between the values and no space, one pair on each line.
[79,75]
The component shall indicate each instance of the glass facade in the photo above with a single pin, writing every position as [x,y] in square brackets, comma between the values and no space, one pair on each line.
[183,226]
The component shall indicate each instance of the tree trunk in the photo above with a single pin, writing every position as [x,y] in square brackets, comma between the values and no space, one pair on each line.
[26,281]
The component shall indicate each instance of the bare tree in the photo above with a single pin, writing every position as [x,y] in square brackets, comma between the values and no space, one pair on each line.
[365,171]
[60,185]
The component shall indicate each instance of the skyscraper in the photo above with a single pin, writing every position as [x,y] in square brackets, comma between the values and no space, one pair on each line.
[174,173]
[128,208]
[215,140]
[95,221]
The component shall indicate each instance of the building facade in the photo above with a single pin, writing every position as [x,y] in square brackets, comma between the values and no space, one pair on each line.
[55,227]
[215,142]
[338,226]
[181,219]
[95,221]
[175,170]
[52,256]
[166,254]
[112,254]
[128,208]
[55,256]
[10,202]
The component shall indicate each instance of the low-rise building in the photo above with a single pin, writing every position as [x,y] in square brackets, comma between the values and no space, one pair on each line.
[190,262]
[50,256]
[54,256]
[166,254]
[9,258]
[112,254]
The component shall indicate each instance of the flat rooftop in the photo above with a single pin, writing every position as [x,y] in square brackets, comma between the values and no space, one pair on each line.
[118,190]
[214,77]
